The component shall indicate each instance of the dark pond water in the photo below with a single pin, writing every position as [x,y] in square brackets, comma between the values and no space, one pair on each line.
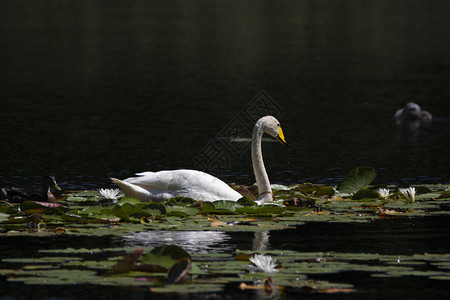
[390,237]
[99,89]
[95,89]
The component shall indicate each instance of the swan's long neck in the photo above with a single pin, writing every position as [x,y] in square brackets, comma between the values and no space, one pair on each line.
[262,180]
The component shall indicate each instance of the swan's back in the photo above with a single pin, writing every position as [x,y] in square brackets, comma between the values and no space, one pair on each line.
[184,183]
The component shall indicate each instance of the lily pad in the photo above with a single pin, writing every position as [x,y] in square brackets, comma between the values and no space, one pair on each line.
[126,263]
[357,179]
[165,256]
[365,194]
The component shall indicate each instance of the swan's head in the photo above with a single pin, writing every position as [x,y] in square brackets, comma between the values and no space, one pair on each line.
[271,126]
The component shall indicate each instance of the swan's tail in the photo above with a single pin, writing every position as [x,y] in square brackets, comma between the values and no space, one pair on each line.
[132,190]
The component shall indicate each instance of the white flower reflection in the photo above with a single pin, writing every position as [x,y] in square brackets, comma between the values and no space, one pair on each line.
[265,263]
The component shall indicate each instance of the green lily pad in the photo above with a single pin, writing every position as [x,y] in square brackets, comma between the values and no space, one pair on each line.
[129,200]
[365,194]
[165,256]
[42,207]
[227,205]
[357,179]
[324,190]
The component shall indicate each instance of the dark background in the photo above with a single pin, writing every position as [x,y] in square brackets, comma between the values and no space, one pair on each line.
[97,89]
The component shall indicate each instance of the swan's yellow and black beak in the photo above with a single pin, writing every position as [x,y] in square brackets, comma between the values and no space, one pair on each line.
[280,138]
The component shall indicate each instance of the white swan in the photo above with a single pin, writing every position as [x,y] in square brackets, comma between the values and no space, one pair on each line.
[198,185]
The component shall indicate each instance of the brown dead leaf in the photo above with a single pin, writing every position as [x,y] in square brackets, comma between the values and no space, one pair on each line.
[242,257]
[218,224]
[179,270]
[126,263]
[60,230]
[113,220]
[335,290]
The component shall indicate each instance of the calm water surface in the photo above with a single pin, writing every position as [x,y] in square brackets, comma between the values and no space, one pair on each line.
[99,89]
[391,237]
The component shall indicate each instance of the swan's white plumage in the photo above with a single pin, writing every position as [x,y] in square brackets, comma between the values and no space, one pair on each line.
[177,183]
[199,185]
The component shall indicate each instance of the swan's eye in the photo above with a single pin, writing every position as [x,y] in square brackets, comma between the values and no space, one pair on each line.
[278,124]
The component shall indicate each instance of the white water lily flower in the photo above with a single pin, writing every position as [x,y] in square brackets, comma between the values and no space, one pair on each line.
[409,193]
[384,193]
[265,263]
[112,194]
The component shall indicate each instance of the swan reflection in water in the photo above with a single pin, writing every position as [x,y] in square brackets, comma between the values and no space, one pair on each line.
[194,241]
[261,241]
[191,241]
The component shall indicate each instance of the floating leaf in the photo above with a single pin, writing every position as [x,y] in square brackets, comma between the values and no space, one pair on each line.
[223,204]
[210,287]
[43,207]
[129,200]
[207,206]
[126,263]
[154,208]
[117,211]
[420,189]
[280,187]
[179,270]
[165,256]
[149,268]
[129,209]
[245,192]
[245,201]
[300,202]
[324,190]
[180,201]
[365,194]
[357,179]
[444,195]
